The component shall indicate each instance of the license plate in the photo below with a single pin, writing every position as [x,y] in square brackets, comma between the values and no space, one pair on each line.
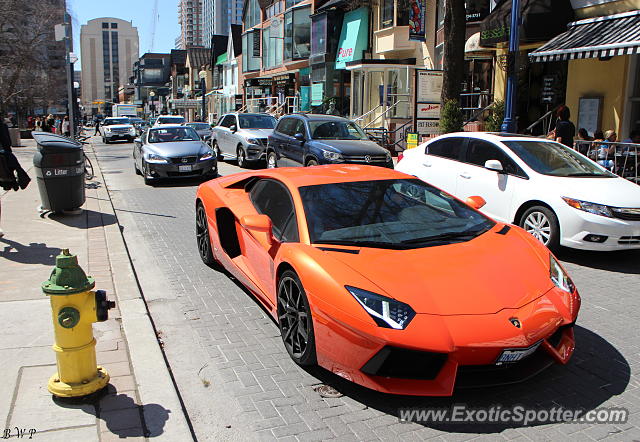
[515,355]
[186,168]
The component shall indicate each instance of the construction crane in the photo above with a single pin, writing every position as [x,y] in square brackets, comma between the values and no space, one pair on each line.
[154,22]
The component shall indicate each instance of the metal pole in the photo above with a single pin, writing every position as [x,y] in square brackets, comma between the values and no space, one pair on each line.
[509,124]
[204,104]
[68,41]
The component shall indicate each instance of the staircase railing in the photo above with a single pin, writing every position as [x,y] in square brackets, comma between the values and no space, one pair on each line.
[549,116]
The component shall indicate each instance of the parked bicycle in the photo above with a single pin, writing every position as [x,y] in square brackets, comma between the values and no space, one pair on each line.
[88,166]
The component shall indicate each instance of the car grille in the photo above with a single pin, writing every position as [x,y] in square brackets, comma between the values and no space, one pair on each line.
[629,240]
[626,214]
[183,160]
[395,362]
[363,158]
[120,130]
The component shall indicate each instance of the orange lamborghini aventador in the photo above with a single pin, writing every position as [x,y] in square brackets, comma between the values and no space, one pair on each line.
[388,281]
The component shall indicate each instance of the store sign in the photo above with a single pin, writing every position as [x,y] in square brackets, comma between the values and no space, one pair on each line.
[477,10]
[412,140]
[317,92]
[428,110]
[417,22]
[285,80]
[256,44]
[428,127]
[429,86]
[258,82]
[354,37]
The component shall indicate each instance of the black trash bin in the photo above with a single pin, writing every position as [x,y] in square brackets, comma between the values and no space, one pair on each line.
[59,164]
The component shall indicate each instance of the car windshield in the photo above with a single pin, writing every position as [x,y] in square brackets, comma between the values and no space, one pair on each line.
[198,126]
[170,120]
[257,121]
[335,130]
[555,159]
[396,214]
[171,134]
[112,121]
[135,120]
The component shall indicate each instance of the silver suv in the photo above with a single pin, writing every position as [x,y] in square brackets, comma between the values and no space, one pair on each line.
[242,137]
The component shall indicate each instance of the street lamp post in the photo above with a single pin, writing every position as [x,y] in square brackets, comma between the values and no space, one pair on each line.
[152,95]
[203,86]
[509,123]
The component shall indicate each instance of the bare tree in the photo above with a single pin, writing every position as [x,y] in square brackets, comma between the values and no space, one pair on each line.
[27,50]
[455,27]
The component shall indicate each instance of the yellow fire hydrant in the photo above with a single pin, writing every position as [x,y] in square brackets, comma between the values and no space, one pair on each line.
[75,307]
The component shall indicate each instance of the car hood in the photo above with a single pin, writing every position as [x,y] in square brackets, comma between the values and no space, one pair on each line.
[616,192]
[351,147]
[255,133]
[118,126]
[482,276]
[177,148]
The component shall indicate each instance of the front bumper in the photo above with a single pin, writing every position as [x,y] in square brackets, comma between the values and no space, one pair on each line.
[118,136]
[256,152]
[576,225]
[436,354]
[171,170]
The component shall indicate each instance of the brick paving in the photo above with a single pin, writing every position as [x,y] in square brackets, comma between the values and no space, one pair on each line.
[245,356]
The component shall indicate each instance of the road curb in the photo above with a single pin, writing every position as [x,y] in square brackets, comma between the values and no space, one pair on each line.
[154,381]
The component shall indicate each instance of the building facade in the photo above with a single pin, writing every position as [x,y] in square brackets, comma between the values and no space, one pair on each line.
[218,16]
[190,18]
[151,82]
[109,48]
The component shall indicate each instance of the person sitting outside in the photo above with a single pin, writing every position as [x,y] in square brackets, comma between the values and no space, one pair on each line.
[607,151]
[583,135]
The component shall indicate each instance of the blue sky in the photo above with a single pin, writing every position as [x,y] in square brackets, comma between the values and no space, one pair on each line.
[138,11]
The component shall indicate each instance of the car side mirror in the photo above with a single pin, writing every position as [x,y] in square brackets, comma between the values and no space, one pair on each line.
[477,202]
[299,136]
[259,224]
[494,165]
[233,128]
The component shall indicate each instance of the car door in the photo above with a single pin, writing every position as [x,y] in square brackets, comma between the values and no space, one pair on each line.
[498,189]
[224,133]
[280,140]
[296,148]
[440,163]
[271,198]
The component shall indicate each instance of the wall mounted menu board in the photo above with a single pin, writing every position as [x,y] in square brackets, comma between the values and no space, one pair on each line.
[589,113]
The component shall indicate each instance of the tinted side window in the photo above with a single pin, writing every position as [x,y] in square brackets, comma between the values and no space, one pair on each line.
[271,198]
[299,128]
[286,126]
[447,148]
[479,151]
[228,121]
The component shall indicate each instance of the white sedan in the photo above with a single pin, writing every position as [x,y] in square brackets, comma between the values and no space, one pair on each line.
[558,195]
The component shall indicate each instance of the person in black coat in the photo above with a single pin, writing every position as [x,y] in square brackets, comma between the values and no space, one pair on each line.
[18,178]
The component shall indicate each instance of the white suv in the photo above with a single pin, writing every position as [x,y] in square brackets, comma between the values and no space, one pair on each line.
[558,195]
[117,128]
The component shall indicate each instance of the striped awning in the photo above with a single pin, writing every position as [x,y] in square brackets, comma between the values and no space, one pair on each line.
[608,36]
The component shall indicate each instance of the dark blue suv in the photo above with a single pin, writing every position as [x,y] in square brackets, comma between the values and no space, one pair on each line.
[309,140]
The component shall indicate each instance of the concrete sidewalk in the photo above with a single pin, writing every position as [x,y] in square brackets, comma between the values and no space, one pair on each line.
[141,401]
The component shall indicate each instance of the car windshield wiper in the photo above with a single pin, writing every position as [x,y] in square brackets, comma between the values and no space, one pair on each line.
[443,237]
[591,174]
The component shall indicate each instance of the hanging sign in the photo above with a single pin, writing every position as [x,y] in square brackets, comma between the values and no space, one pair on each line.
[417,20]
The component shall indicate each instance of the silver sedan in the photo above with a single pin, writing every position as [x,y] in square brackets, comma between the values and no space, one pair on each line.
[172,152]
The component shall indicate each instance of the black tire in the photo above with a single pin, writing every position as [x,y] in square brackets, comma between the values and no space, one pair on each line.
[145,173]
[542,223]
[311,162]
[202,236]
[135,168]
[295,321]
[216,150]
[241,157]
[272,160]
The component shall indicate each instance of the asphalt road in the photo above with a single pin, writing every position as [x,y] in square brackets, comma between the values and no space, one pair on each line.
[238,383]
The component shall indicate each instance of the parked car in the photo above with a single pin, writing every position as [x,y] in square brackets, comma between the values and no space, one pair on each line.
[310,140]
[555,193]
[242,137]
[117,128]
[172,152]
[203,130]
[170,120]
[388,281]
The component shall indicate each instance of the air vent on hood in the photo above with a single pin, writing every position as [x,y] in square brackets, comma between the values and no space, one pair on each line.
[331,249]
[504,230]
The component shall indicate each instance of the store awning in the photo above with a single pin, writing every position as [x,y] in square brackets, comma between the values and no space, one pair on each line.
[221,59]
[541,20]
[608,36]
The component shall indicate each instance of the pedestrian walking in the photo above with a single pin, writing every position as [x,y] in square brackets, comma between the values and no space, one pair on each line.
[97,127]
[565,129]
[51,122]
[66,126]
[58,126]
[38,125]
[12,175]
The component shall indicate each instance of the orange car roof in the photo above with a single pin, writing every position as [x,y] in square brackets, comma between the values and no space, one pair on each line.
[309,176]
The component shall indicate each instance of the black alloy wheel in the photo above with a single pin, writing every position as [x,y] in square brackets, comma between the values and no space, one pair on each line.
[202,236]
[146,173]
[294,319]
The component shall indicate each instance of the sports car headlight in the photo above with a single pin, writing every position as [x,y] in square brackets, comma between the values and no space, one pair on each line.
[332,156]
[385,311]
[559,277]
[206,156]
[597,209]
[153,158]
